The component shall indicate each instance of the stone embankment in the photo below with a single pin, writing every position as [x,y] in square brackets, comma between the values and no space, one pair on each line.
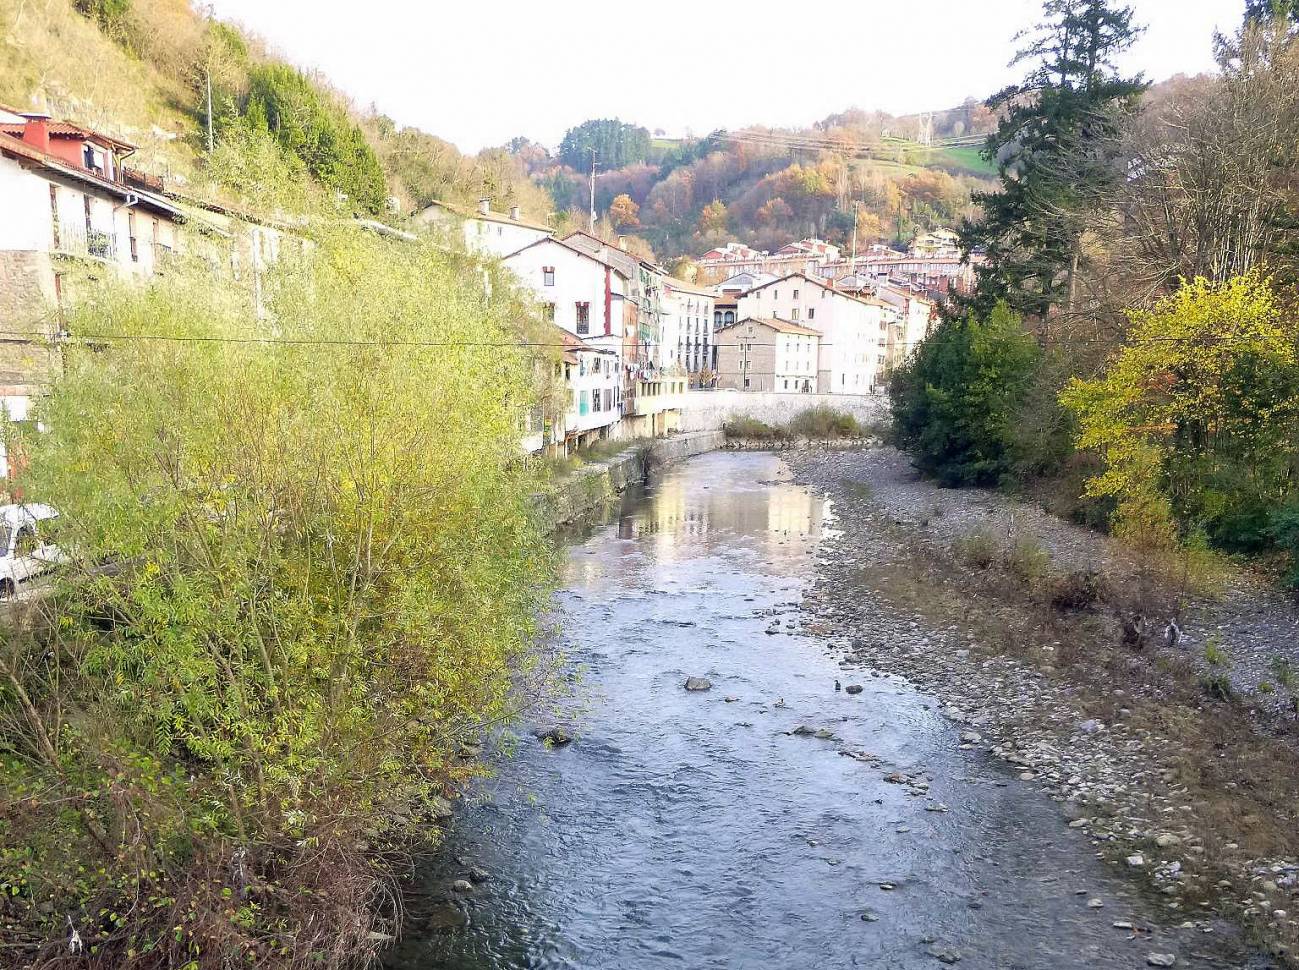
[1195,796]
[592,487]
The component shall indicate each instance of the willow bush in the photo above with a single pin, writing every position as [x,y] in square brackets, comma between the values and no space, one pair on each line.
[305,574]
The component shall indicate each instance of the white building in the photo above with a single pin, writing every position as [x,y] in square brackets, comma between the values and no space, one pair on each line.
[686,341]
[915,318]
[854,346]
[768,355]
[585,297]
[592,384]
[484,231]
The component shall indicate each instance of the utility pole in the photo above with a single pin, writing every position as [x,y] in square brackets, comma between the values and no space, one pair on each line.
[855,206]
[209,13]
[209,105]
[593,191]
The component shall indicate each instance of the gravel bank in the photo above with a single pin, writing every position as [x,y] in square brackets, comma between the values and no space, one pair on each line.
[1190,797]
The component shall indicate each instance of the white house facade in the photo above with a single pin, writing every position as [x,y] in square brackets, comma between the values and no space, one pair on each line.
[854,344]
[687,342]
[482,230]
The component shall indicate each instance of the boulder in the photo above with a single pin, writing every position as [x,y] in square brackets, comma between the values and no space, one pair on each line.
[698,684]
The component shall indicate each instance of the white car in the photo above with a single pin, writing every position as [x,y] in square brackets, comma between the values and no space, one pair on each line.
[24,554]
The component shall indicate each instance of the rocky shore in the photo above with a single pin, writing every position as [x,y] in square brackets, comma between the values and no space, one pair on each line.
[1193,794]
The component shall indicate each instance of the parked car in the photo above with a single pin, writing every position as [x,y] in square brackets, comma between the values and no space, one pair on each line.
[24,553]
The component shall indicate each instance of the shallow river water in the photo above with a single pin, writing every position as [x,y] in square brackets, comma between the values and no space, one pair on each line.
[688,830]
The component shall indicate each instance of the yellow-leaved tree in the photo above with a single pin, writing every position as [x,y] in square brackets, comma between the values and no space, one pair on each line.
[1197,416]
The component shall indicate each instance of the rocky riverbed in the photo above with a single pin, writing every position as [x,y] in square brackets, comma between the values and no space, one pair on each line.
[770,762]
[1192,797]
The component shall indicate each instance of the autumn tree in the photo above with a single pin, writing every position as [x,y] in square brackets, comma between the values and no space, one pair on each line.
[1197,416]
[624,213]
[1213,191]
[1050,151]
[713,218]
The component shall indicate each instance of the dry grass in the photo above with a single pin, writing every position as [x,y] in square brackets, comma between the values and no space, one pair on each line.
[50,51]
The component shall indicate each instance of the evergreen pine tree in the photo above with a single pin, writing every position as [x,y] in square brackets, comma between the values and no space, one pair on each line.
[1054,151]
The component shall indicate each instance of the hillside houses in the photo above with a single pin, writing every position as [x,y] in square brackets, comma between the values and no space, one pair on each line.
[483,230]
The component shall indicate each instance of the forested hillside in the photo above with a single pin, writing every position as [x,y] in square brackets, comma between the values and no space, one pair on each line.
[765,187]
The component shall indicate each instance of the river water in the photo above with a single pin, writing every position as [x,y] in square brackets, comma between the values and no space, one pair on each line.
[697,830]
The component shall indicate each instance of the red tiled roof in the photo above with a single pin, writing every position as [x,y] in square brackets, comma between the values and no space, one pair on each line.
[66,129]
[17,148]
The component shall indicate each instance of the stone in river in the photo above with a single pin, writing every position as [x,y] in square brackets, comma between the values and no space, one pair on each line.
[854,688]
[804,731]
[944,954]
[1161,959]
[556,737]
[463,886]
[698,683]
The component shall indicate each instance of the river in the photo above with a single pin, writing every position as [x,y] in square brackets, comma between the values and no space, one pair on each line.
[696,829]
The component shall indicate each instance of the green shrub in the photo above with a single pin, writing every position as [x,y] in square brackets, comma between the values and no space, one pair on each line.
[1284,531]
[1214,654]
[746,427]
[955,401]
[1028,560]
[330,580]
[978,549]
[1217,686]
[826,423]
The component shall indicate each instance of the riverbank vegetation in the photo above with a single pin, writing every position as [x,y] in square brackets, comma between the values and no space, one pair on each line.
[821,423]
[1130,353]
[304,576]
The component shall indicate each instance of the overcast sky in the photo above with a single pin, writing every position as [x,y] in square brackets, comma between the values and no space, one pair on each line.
[479,73]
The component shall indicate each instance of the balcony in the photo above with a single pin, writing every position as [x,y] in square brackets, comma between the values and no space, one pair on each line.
[74,239]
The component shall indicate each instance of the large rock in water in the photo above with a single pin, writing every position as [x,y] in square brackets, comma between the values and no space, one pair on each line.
[555,737]
[698,683]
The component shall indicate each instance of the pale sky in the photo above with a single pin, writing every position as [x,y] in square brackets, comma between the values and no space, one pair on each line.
[478,73]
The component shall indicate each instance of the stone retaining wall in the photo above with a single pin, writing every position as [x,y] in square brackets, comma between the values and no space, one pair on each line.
[594,486]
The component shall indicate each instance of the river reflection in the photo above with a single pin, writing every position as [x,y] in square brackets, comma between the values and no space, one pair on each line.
[699,830]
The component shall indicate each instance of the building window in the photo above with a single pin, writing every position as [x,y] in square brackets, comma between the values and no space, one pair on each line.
[583,318]
[595,400]
[130,221]
[608,399]
[548,312]
[811,313]
[548,275]
[796,294]
[793,314]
